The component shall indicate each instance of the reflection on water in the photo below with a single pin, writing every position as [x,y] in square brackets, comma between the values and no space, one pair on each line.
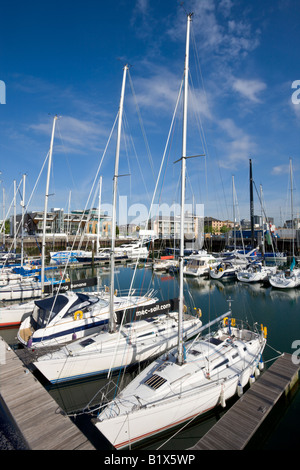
[278,310]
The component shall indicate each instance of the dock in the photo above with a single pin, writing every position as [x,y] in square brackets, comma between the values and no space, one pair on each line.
[35,414]
[239,424]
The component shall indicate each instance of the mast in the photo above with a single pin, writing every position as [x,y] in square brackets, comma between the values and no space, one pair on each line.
[112,322]
[15,216]
[22,221]
[99,209]
[183,171]
[292,210]
[262,223]
[68,219]
[251,205]
[46,205]
[234,217]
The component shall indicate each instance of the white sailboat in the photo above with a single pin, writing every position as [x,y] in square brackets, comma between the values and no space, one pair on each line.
[130,344]
[68,316]
[185,382]
[132,341]
[256,272]
[224,270]
[291,277]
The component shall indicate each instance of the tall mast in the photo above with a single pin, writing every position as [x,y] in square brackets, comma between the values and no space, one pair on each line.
[112,322]
[262,222]
[251,205]
[183,171]
[15,216]
[99,209]
[292,209]
[46,205]
[22,221]
[234,217]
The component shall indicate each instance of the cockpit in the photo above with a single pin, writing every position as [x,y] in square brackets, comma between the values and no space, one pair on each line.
[47,309]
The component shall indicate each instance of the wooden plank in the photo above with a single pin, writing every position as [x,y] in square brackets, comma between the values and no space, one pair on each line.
[236,427]
[38,417]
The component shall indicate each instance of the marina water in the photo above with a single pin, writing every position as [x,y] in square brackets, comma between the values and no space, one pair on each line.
[278,310]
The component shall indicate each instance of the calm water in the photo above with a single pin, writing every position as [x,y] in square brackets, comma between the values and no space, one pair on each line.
[277,310]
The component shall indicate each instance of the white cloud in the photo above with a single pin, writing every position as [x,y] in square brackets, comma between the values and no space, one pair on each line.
[238,145]
[249,88]
[280,170]
[76,134]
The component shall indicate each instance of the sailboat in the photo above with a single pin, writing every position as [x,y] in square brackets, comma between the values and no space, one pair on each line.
[35,285]
[291,277]
[190,379]
[256,272]
[68,316]
[142,334]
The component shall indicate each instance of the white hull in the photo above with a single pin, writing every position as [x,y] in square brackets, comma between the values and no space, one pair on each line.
[106,351]
[283,281]
[74,321]
[163,265]
[21,290]
[13,315]
[255,276]
[133,251]
[25,289]
[65,255]
[225,274]
[199,264]
[166,394]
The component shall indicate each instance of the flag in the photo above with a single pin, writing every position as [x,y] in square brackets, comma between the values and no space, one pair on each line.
[268,238]
[293,263]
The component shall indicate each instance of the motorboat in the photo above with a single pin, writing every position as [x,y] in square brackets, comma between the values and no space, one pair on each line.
[165,263]
[198,264]
[132,250]
[102,255]
[68,255]
[64,317]
[242,257]
[131,344]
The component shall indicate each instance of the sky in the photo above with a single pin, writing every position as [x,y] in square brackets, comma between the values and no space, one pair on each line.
[67,58]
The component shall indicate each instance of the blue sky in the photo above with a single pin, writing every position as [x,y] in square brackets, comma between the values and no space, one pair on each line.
[67,58]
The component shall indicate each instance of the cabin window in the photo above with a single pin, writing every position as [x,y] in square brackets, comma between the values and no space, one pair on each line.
[221,364]
[87,342]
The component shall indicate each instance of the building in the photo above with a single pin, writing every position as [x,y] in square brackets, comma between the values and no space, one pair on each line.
[215,226]
[294,225]
[168,227]
[57,222]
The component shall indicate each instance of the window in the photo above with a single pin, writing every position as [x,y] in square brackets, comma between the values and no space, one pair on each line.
[221,364]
